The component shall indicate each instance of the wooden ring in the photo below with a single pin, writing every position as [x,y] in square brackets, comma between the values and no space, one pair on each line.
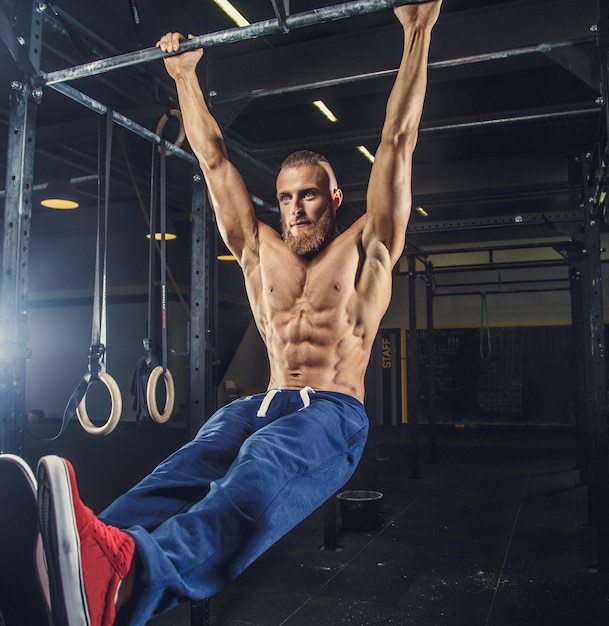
[181,133]
[153,380]
[115,411]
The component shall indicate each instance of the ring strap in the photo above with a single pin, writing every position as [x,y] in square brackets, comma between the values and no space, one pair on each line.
[163,209]
[148,372]
[97,351]
[97,360]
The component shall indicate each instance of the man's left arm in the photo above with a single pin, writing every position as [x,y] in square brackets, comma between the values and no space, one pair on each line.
[389,197]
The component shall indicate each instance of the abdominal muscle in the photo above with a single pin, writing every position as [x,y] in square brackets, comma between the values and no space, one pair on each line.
[317,327]
[318,317]
[316,352]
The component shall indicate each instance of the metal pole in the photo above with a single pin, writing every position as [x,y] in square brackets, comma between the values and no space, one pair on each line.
[15,238]
[501,292]
[413,369]
[586,260]
[595,354]
[550,243]
[198,304]
[502,283]
[457,62]
[548,219]
[514,119]
[232,35]
[348,139]
[134,127]
[15,266]
[580,403]
[123,121]
[508,265]
[431,391]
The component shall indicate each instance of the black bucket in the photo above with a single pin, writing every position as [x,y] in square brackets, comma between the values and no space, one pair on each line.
[359,510]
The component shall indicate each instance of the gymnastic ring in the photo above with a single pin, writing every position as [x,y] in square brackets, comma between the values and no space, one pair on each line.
[115,411]
[181,133]
[153,380]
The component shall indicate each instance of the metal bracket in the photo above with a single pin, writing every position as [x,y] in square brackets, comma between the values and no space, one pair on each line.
[19,49]
[580,60]
[281,13]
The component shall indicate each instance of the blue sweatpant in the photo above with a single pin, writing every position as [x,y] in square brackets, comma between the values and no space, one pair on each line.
[209,510]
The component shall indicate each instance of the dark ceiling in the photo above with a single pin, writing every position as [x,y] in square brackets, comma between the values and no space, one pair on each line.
[513,94]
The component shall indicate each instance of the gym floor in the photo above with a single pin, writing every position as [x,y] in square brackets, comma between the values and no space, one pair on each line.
[493,534]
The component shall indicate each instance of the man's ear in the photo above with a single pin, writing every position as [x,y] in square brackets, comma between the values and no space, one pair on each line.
[337,198]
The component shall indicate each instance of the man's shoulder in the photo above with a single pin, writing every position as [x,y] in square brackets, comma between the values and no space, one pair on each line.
[267,233]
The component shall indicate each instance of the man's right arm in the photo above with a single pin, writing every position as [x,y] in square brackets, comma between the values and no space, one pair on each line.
[231,201]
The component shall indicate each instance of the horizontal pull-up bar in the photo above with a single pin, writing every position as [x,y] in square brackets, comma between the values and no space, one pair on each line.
[232,35]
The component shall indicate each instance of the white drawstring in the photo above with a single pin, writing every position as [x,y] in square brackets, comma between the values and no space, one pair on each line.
[304,394]
[271,393]
[266,402]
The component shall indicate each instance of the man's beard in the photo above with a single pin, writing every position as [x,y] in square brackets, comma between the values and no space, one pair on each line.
[309,244]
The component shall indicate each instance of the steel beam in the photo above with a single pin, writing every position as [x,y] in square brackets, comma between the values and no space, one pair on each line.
[499,292]
[232,35]
[123,121]
[347,139]
[431,386]
[461,38]
[538,219]
[499,284]
[580,404]
[590,355]
[485,248]
[17,37]
[15,269]
[15,239]
[199,299]
[507,265]
[341,81]
[412,360]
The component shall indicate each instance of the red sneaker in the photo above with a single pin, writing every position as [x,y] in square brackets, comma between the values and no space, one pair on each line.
[86,559]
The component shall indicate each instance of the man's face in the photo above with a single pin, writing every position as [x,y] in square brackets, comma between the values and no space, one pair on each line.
[308,209]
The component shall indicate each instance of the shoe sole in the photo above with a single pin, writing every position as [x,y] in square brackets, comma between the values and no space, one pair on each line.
[22,600]
[61,543]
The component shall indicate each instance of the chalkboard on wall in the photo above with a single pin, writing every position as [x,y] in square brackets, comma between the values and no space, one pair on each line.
[515,375]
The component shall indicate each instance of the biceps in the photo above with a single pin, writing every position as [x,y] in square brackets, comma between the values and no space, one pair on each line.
[233,208]
[376,278]
[389,199]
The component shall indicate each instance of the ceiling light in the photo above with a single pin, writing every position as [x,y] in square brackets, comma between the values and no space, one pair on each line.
[170,232]
[366,153]
[226,257]
[59,195]
[422,211]
[159,236]
[325,110]
[230,10]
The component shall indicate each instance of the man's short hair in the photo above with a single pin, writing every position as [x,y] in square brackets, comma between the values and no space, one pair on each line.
[308,157]
[304,157]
